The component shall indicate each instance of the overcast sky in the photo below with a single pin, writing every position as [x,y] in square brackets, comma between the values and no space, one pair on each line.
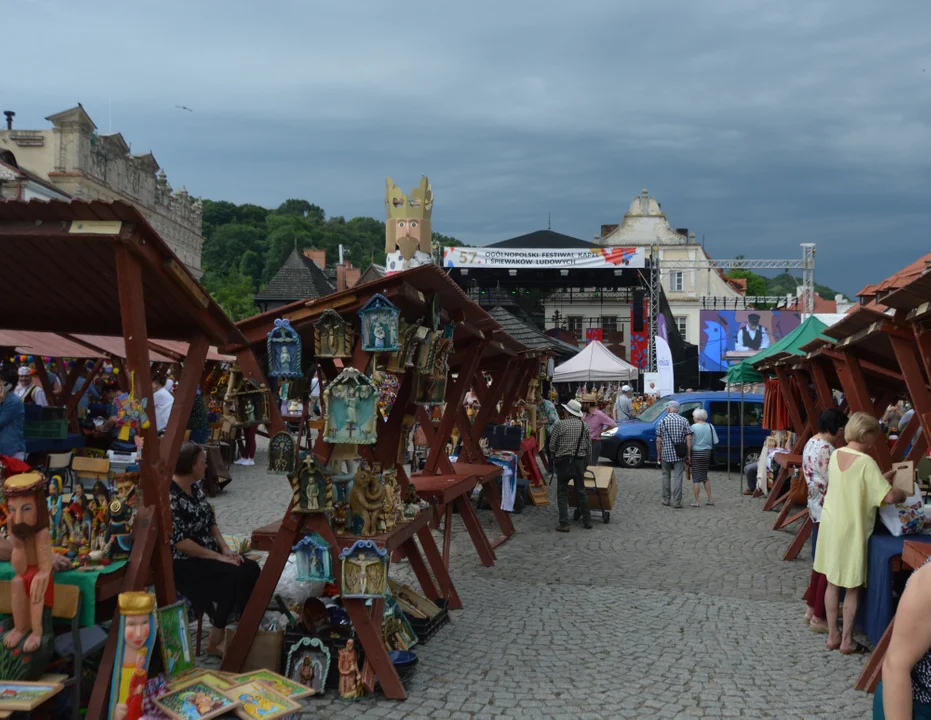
[759,124]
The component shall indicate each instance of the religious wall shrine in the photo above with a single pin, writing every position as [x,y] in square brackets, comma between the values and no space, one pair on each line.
[378,403]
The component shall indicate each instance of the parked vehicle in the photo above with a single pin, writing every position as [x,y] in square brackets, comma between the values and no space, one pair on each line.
[633,442]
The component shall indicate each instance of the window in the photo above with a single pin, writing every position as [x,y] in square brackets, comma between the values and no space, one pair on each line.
[687,409]
[753,413]
[609,324]
[682,324]
[574,325]
[676,281]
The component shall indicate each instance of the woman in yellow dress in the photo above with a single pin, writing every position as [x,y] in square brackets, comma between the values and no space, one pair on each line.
[856,488]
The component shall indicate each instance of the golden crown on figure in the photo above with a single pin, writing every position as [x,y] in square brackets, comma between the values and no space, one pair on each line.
[416,206]
[136,603]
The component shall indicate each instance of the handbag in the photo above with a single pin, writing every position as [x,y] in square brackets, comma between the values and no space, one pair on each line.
[798,489]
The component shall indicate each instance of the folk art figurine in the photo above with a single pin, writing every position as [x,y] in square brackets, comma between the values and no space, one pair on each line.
[413,503]
[282,454]
[351,409]
[379,325]
[391,510]
[314,563]
[367,500]
[55,508]
[312,485]
[284,351]
[133,651]
[340,518]
[365,570]
[252,404]
[401,358]
[308,664]
[333,336]
[350,679]
[408,226]
[28,640]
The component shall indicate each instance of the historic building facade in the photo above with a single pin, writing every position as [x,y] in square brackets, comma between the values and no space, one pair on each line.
[88,165]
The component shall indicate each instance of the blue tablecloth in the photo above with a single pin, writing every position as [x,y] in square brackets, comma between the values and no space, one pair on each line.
[46,445]
[876,610]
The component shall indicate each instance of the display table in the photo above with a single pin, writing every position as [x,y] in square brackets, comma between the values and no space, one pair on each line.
[96,585]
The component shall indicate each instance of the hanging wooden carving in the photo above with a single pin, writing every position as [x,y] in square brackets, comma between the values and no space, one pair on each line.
[333,336]
[282,454]
[401,359]
[313,487]
[314,563]
[284,351]
[367,501]
[380,332]
[251,404]
[351,409]
[365,570]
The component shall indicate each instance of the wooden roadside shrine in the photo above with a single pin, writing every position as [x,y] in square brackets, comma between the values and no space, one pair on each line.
[416,293]
[106,271]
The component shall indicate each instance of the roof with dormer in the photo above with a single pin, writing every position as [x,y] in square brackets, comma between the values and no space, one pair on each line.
[298,279]
[543,240]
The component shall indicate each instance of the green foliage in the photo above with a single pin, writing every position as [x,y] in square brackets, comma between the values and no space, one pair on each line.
[783,284]
[756,284]
[245,245]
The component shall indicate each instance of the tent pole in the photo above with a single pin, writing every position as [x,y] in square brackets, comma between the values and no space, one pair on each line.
[728,460]
[742,427]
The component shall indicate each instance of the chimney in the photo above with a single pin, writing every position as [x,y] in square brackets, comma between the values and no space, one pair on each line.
[341,278]
[318,256]
[9,118]
[596,239]
[340,254]
[353,275]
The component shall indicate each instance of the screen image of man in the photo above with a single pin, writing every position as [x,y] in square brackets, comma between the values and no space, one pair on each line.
[752,337]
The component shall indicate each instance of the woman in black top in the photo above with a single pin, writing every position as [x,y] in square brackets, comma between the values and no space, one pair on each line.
[214,578]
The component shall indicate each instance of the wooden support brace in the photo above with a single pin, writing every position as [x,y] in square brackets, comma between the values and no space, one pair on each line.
[798,541]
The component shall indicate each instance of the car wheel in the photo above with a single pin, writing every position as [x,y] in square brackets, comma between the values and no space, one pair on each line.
[751,456]
[631,455]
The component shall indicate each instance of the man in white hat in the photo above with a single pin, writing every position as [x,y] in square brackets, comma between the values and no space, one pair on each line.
[623,406]
[29,391]
[570,447]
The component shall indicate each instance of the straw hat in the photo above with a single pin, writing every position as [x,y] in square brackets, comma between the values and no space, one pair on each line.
[590,398]
[573,407]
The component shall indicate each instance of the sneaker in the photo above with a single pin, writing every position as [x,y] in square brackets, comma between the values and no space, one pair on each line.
[562,528]
[249,462]
[241,461]
[666,503]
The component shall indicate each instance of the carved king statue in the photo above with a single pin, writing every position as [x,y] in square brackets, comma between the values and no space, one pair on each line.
[408,227]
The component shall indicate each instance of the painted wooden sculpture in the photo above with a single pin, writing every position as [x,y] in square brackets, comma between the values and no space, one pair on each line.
[392,508]
[282,454]
[350,679]
[380,332]
[313,487]
[367,500]
[308,663]
[251,404]
[284,351]
[351,409]
[333,336]
[134,651]
[314,562]
[408,234]
[27,645]
[365,570]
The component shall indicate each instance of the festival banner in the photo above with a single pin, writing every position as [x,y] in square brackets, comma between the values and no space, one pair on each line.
[594,334]
[557,259]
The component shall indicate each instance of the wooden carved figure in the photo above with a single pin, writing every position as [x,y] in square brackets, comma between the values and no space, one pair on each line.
[365,570]
[333,336]
[314,563]
[340,517]
[408,226]
[367,499]
[313,487]
[27,646]
[391,511]
[252,404]
[55,508]
[380,331]
[282,454]
[407,426]
[284,351]
[350,679]
[401,358]
[308,664]
[351,402]
[133,652]
[396,628]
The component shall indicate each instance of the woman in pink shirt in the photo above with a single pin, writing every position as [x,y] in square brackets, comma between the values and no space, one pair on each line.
[597,422]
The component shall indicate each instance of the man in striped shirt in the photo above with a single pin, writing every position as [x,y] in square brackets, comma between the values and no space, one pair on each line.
[672,431]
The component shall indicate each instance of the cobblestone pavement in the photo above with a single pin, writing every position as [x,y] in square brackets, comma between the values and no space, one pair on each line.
[661,613]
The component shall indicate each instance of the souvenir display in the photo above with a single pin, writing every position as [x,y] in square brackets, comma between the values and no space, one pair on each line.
[314,562]
[340,518]
[252,404]
[408,226]
[197,701]
[396,628]
[175,640]
[26,696]
[365,570]
[258,701]
[278,683]
[133,652]
[351,409]
[313,488]
[391,512]
[308,664]
[413,503]
[131,416]
[122,516]
[217,680]
[28,638]
[333,336]
[282,454]
[284,351]
[367,500]
[401,359]
[388,385]
[350,679]
[380,332]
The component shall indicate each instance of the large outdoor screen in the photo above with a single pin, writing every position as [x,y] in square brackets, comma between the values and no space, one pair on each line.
[729,336]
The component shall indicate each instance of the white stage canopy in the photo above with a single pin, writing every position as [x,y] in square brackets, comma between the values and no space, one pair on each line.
[595,364]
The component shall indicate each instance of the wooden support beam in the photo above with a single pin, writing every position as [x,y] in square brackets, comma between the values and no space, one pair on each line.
[44,380]
[185,394]
[858,396]
[908,358]
[67,387]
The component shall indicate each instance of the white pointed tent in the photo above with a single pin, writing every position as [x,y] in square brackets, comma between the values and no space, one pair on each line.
[595,364]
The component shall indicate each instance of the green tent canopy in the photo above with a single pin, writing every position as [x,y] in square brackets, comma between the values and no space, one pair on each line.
[744,372]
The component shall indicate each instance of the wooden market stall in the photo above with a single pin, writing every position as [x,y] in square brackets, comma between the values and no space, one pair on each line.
[105,271]
[423,296]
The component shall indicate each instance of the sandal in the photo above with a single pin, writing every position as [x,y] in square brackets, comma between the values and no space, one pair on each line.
[709,503]
[860,649]
[817,627]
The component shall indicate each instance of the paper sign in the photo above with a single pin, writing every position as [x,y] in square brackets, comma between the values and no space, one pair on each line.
[904,478]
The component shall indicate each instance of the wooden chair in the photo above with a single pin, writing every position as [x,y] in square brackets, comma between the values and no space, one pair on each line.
[66,606]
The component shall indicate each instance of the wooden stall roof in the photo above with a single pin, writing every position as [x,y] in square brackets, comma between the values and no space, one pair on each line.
[59,273]
[47,344]
[859,319]
[179,350]
[408,290]
[814,345]
[116,347]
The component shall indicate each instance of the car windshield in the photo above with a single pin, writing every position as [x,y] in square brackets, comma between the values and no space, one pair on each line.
[654,411]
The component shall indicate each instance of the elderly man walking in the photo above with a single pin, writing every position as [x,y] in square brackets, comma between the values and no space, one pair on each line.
[623,405]
[570,447]
[673,446]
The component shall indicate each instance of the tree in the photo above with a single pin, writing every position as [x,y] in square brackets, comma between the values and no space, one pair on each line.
[301,208]
[756,284]
[286,233]
[234,294]
[227,244]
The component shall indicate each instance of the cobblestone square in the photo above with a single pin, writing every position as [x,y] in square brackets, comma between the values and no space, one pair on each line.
[660,613]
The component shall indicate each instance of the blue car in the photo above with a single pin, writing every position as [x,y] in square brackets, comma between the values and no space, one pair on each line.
[633,442]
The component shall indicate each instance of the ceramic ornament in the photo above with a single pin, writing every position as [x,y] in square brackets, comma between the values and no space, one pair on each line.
[313,487]
[365,570]
[282,454]
[308,664]
[314,563]
[284,351]
[351,409]
[380,331]
[333,336]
